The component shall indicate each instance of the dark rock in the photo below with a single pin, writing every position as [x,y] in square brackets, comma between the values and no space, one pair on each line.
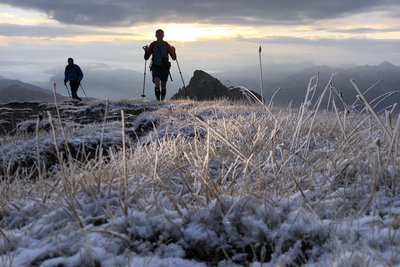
[203,86]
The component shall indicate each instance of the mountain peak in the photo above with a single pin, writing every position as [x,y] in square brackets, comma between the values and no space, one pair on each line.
[203,86]
[386,64]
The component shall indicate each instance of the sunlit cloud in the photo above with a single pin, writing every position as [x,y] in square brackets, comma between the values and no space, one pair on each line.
[43,26]
[211,35]
[18,16]
[4,16]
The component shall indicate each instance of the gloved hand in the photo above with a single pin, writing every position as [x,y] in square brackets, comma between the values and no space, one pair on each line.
[65,82]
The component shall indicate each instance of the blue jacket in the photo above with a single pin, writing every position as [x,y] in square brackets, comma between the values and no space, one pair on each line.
[73,73]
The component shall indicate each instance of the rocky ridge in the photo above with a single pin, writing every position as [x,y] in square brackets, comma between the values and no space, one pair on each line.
[203,86]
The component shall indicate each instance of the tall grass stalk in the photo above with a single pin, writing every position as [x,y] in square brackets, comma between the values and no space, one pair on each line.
[39,162]
[315,111]
[100,156]
[254,98]
[61,125]
[67,189]
[271,101]
[302,111]
[261,76]
[366,91]
[371,110]
[125,166]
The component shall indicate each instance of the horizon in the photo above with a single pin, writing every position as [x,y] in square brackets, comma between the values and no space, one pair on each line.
[93,67]
[127,83]
[38,37]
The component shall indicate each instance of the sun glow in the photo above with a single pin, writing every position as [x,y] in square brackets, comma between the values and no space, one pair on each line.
[193,32]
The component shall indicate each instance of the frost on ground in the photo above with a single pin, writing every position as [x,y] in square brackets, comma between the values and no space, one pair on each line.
[199,184]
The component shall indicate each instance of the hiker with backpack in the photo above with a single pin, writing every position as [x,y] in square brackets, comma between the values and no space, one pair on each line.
[74,75]
[160,65]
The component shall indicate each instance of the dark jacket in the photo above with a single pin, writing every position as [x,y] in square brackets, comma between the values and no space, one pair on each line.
[73,73]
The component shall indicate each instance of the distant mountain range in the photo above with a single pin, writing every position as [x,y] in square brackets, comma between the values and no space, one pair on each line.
[294,85]
[14,90]
[103,82]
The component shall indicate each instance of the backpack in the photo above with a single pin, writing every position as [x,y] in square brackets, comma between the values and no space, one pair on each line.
[165,60]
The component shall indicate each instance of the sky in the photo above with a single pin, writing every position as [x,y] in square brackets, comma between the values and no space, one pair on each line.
[37,36]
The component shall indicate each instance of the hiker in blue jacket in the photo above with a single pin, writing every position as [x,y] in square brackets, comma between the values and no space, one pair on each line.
[74,75]
[160,65]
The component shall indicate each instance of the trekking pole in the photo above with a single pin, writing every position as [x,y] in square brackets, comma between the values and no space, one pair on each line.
[177,63]
[66,87]
[83,90]
[144,79]
[261,76]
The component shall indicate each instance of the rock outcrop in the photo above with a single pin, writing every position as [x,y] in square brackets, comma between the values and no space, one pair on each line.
[203,86]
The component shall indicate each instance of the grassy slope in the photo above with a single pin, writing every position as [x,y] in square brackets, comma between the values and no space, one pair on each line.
[218,182]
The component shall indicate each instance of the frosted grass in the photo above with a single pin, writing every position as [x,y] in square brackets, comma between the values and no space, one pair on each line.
[211,183]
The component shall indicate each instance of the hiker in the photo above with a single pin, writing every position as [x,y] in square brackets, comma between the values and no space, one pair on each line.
[160,64]
[74,75]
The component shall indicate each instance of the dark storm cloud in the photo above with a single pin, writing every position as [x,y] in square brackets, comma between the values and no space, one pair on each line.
[50,31]
[127,12]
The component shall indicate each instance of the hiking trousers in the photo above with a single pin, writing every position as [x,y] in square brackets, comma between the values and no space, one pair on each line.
[74,88]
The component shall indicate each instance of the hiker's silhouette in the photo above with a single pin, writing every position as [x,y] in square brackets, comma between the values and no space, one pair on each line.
[160,65]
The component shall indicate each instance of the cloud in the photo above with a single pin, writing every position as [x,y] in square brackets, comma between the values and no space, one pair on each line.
[347,50]
[127,13]
[326,42]
[51,31]
[361,30]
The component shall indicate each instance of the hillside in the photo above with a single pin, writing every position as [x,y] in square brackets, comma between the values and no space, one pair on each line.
[14,90]
[190,183]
